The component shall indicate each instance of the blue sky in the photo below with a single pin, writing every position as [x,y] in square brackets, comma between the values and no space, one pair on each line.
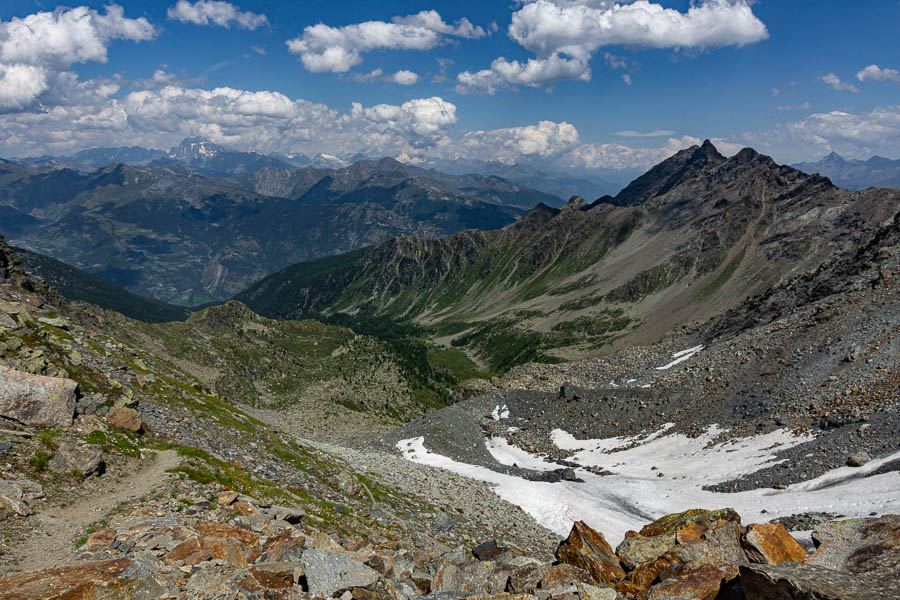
[569,83]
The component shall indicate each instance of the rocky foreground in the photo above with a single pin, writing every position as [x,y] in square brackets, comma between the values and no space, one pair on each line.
[211,542]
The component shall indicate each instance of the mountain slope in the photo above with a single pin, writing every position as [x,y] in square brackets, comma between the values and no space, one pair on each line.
[174,235]
[76,284]
[694,236]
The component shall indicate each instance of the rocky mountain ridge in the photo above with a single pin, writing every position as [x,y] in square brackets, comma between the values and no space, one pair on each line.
[696,235]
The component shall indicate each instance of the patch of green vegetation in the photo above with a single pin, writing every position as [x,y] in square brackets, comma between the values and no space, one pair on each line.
[456,363]
[40,461]
[503,345]
[582,303]
[573,286]
[120,442]
[722,278]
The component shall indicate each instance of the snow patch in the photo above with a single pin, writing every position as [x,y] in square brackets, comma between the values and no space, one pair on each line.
[500,413]
[637,493]
[681,356]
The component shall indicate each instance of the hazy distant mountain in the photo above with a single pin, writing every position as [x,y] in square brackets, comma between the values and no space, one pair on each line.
[168,232]
[856,174]
[387,178]
[557,183]
[208,158]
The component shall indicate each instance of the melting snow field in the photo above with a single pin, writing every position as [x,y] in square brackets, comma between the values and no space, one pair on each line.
[637,492]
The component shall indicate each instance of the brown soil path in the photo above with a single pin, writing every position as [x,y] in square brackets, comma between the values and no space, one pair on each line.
[51,542]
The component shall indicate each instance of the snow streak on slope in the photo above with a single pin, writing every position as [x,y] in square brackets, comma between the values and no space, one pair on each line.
[661,474]
[680,357]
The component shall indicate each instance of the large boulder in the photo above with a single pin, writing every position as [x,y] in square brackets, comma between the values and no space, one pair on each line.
[771,544]
[36,400]
[720,545]
[636,549]
[107,579]
[329,573]
[670,524]
[83,459]
[125,418]
[700,583]
[589,550]
[799,581]
[868,546]
[228,532]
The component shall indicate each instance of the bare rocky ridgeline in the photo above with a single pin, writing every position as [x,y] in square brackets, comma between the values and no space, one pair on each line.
[125,473]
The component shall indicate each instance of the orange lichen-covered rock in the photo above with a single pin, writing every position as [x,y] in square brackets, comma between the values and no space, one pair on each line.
[670,524]
[690,533]
[771,544]
[589,550]
[702,583]
[229,532]
[87,580]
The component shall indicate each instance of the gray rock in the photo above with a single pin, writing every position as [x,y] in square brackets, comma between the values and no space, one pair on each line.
[286,513]
[17,494]
[4,446]
[869,547]
[443,522]
[465,578]
[587,591]
[54,322]
[36,400]
[858,460]
[85,459]
[91,404]
[799,581]
[328,573]
[636,550]
[524,578]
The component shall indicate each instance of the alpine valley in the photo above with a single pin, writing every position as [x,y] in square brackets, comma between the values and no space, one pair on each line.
[200,223]
[236,375]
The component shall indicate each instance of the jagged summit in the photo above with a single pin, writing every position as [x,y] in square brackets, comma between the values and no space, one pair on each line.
[576,203]
[707,152]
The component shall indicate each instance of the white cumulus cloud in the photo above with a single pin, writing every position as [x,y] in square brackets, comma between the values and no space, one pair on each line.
[337,49]
[546,140]
[37,51]
[404,77]
[876,73]
[213,12]
[835,82]
[852,135]
[565,34]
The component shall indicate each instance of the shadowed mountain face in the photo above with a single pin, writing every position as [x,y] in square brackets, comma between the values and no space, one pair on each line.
[695,235]
[169,233]
[856,174]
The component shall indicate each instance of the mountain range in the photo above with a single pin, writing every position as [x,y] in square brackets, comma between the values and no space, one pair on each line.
[202,156]
[856,174]
[697,234]
[171,233]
